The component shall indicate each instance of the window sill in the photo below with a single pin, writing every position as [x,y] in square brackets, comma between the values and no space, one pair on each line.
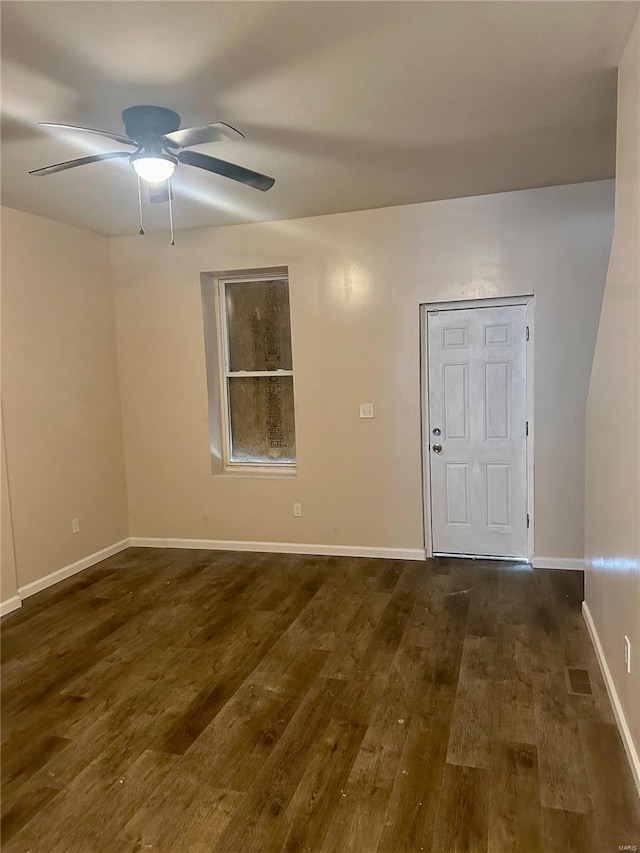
[276,472]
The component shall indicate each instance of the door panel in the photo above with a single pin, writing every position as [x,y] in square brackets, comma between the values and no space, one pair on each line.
[497,385]
[477,402]
[454,338]
[498,489]
[455,392]
[457,492]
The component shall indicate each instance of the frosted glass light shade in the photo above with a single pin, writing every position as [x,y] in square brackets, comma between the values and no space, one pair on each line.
[154,169]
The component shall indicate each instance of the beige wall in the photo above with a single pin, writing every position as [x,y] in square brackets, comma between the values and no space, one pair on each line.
[61,403]
[8,577]
[357,280]
[613,418]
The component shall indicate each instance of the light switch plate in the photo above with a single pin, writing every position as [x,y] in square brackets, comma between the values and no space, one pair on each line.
[366,410]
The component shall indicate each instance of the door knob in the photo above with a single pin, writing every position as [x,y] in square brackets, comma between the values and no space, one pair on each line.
[437,448]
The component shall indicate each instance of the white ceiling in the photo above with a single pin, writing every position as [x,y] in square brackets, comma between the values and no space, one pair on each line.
[349,105]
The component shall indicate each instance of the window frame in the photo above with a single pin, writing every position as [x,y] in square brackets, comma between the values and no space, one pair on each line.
[286,469]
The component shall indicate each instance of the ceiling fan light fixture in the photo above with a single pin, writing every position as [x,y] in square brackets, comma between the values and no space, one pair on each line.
[153,168]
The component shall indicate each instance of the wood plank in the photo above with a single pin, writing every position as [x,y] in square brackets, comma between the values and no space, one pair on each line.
[449,637]
[543,619]
[388,575]
[379,756]
[306,819]
[259,823]
[567,830]
[427,612]
[471,726]
[515,822]
[413,803]
[358,819]
[563,781]
[462,820]
[350,650]
[482,619]
[513,713]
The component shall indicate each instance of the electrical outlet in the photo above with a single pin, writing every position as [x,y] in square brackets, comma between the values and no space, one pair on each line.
[366,410]
[75,525]
[627,653]
[297,510]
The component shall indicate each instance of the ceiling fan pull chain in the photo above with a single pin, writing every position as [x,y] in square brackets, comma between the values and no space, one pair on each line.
[141,231]
[173,242]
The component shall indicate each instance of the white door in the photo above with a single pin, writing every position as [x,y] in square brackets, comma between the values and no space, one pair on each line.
[477,420]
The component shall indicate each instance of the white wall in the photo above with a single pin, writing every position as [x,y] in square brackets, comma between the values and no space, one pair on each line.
[613,421]
[60,396]
[357,280]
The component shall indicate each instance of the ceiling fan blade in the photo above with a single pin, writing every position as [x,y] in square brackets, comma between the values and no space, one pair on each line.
[118,137]
[81,161]
[159,193]
[227,170]
[216,132]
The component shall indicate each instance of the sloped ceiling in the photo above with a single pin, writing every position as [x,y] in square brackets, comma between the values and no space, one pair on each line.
[350,105]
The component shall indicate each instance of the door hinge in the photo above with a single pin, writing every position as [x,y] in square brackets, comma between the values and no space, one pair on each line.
[528,521]
[527,333]
[527,429]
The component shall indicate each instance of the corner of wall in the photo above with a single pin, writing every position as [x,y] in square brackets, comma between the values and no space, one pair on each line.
[612,494]
[119,367]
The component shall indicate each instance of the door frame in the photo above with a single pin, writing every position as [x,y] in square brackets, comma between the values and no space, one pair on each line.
[459,305]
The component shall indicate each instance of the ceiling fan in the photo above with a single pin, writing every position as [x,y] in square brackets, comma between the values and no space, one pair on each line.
[160,146]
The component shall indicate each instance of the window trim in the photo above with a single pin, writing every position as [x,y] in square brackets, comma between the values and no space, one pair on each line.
[263,469]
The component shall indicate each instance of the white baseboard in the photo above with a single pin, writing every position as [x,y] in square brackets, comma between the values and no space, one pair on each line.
[10,605]
[282,548]
[625,733]
[72,569]
[574,564]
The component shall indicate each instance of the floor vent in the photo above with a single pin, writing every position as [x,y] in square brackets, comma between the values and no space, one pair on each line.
[578,681]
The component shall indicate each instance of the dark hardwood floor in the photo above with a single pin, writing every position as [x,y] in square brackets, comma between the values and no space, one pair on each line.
[191,702]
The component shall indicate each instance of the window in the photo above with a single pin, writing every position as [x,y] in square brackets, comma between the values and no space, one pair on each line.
[257,372]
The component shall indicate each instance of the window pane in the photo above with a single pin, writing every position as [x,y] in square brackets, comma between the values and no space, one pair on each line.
[258,324]
[262,425]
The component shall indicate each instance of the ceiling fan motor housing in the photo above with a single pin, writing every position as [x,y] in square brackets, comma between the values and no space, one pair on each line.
[147,123]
